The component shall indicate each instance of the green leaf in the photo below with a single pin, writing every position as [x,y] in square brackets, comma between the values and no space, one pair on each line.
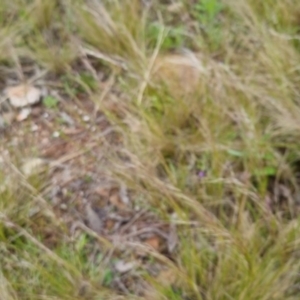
[89,80]
[81,242]
[50,102]
[266,171]
[108,277]
[235,153]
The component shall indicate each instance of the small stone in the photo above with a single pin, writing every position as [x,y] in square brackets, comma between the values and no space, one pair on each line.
[23,95]
[33,166]
[34,128]
[63,206]
[56,134]
[124,267]
[24,114]
[86,118]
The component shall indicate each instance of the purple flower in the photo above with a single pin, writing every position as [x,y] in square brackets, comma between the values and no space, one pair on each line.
[201,174]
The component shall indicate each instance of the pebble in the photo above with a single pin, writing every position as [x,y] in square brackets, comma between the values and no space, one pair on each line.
[56,134]
[86,118]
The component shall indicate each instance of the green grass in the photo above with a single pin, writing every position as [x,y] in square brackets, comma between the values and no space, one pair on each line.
[234,114]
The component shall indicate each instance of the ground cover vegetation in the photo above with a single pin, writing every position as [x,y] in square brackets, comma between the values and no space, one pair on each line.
[162,158]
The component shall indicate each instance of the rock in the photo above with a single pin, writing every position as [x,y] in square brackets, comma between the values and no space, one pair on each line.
[23,95]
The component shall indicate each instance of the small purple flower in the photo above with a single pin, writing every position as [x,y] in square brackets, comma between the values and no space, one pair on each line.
[201,174]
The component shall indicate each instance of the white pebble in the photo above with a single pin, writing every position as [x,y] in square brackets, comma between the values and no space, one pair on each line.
[56,134]
[86,118]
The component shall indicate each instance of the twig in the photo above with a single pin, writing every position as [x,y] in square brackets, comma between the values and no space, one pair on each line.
[133,220]
[117,62]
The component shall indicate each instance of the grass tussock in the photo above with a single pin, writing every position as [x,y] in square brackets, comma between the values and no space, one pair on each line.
[209,115]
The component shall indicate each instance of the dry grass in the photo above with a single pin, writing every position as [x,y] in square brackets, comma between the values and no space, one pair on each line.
[209,88]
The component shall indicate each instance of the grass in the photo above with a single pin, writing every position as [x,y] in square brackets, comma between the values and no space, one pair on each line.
[205,86]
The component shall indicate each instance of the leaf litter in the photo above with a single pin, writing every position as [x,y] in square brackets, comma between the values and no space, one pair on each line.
[79,190]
